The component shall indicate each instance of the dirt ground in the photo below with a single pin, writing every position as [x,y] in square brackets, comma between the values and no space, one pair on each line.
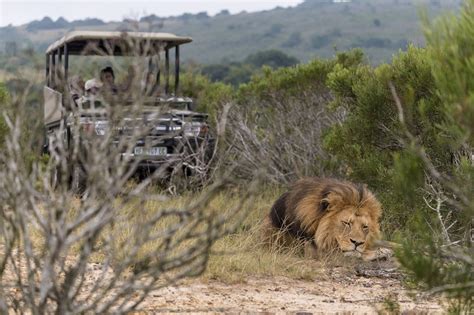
[364,290]
[361,288]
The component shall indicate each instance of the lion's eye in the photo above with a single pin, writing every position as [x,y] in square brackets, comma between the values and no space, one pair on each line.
[348,224]
[365,227]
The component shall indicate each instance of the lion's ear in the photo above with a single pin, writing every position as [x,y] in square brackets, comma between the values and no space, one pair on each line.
[330,200]
[325,199]
[323,205]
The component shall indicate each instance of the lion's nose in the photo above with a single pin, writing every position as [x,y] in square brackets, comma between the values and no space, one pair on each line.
[356,243]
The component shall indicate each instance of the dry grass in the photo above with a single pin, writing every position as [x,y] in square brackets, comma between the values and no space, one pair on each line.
[234,258]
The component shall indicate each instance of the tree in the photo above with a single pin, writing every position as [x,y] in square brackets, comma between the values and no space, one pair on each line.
[271,58]
[294,40]
[216,72]
[319,41]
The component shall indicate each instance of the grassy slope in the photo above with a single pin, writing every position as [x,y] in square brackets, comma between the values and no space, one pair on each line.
[234,37]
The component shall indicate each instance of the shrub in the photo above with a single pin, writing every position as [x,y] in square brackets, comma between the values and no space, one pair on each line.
[272,58]
[208,96]
[280,118]
[368,139]
[443,261]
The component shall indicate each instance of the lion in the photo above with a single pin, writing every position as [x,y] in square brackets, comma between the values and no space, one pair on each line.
[328,214]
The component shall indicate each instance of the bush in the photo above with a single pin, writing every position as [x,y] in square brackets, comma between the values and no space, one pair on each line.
[280,117]
[368,139]
[208,97]
[271,58]
[443,261]
[216,72]
[408,133]
[369,143]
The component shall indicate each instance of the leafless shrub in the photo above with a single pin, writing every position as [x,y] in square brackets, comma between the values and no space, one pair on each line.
[63,221]
[283,135]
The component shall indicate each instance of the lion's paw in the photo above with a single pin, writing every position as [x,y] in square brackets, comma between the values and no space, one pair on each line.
[377,254]
[354,253]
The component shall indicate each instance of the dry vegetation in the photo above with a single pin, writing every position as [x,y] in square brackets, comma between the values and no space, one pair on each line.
[78,234]
[233,258]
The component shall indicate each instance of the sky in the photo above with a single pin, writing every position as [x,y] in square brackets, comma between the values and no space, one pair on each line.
[19,12]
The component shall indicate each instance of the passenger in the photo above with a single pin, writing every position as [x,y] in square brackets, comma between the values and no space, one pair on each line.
[107,78]
[91,98]
[92,87]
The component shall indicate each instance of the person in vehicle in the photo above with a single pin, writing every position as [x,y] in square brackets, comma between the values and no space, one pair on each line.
[107,77]
[92,97]
[92,87]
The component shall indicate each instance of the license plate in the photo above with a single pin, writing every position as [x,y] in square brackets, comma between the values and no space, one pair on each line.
[150,151]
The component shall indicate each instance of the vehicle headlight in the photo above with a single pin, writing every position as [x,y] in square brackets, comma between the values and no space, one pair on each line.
[97,127]
[101,128]
[192,129]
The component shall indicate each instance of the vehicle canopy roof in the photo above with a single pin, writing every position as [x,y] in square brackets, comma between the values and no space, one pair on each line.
[113,42]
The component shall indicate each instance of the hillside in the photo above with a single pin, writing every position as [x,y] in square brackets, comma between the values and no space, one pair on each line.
[313,28]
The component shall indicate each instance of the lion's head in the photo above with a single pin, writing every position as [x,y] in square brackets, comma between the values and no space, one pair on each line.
[332,214]
[350,218]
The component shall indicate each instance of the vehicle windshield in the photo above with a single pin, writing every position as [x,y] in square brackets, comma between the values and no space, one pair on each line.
[93,103]
[179,105]
[127,77]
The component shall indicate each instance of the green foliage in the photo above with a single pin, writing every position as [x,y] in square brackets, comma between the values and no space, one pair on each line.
[390,305]
[319,41]
[236,73]
[441,257]
[208,96]
[440,270]
[452,46]
[293,40]
[295,80]
[271,58]
[239,73]
[369,138]
[408,166]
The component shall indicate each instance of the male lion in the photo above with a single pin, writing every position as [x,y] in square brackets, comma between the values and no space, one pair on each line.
[328,214]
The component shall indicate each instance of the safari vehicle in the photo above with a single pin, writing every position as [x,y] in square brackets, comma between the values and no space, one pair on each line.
[175,128]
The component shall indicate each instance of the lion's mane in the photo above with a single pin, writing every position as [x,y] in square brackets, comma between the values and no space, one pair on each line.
[310,210]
